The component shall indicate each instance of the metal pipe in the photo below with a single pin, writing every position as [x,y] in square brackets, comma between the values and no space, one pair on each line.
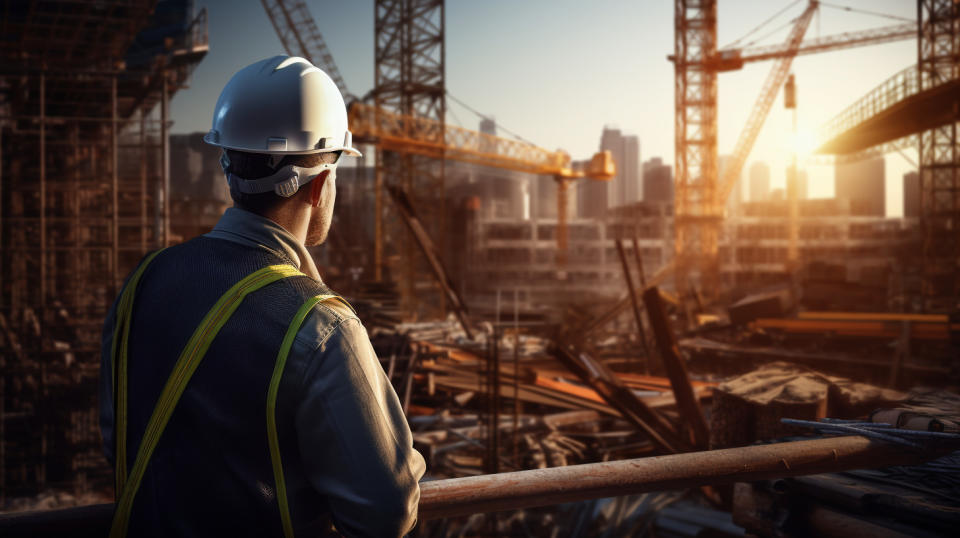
[114,163]
[637,316]
[43,191]
[516,377]
[542,487]
[378,215]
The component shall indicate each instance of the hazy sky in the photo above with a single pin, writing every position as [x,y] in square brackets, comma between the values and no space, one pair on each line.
[557,71]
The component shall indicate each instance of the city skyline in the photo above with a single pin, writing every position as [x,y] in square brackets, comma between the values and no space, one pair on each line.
[516,62]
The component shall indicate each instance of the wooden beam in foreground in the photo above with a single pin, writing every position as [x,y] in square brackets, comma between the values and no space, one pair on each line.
[542,487]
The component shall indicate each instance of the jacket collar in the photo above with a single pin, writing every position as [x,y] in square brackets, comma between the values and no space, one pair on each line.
[241,226]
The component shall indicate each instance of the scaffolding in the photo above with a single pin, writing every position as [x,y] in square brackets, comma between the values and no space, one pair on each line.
[84,183]
[938,64]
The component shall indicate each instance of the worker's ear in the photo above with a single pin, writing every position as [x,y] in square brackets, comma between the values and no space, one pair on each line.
[316,188]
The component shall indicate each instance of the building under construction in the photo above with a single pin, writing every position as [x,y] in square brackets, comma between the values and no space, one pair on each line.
[683,365]
[85,187]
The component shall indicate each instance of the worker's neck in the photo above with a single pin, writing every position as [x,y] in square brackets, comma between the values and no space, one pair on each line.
[294,218]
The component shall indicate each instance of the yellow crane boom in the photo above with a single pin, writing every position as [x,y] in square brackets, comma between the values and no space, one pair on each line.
[422,136]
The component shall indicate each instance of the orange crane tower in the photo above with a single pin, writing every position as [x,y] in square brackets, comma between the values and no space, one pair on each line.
[700,192]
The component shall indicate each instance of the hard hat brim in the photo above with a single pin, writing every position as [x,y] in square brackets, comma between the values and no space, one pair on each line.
[347,150]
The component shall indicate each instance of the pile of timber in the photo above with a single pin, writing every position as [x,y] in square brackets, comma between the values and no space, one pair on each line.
[748,408]
[916,499]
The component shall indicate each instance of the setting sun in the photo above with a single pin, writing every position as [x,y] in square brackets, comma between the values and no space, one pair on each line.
[803,143]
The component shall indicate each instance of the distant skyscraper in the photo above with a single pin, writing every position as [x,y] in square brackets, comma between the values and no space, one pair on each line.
[624,188]
[592,198]
[736,195]
[759,182]
[862,182]
[911,194]
[657,181]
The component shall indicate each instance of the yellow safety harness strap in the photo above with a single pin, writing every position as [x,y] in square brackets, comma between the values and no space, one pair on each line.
[118,363]
[272,405]
[190,358]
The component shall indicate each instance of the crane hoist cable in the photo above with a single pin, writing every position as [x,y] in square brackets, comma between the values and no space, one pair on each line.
[776,30]
[486,117]
[761,25]
[867,12]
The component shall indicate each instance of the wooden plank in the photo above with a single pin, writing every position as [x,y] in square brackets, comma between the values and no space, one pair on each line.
[544,487]
[866,329]
[874,316]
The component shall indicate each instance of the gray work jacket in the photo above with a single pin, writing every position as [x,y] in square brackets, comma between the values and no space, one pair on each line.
[347,448]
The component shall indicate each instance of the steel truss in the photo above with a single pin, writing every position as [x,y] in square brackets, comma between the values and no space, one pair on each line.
[696,195]
[410,79]
[938,62]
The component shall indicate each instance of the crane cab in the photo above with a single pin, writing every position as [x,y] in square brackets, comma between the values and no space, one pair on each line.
[601,166]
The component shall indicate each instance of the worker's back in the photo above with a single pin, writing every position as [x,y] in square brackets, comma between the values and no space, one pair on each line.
[211,471]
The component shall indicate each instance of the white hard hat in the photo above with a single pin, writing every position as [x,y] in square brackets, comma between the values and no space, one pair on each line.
[281,106]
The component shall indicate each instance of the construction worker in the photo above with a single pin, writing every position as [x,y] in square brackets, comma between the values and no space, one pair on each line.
[239,395]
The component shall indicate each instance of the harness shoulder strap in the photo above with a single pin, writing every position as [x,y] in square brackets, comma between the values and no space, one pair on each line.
[272,437]
[118,363]
[190,358]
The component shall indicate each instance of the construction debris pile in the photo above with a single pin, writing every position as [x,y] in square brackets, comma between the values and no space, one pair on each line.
[515,398]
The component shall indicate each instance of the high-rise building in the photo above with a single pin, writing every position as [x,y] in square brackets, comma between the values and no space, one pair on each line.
[862,182]
[736,195]
[591,198]
[624,188]
[911,195]
[657,181]
[759,182]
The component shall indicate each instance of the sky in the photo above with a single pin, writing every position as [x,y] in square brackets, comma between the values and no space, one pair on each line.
[557,72]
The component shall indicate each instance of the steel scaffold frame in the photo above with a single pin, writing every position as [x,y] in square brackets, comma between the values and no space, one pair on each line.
[938,61]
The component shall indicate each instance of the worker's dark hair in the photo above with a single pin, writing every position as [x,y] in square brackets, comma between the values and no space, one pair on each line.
[257,165]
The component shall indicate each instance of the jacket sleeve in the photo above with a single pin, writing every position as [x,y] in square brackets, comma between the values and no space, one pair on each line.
[354,439]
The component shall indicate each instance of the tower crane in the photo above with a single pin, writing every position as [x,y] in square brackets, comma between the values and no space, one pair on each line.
[700,192]
[408,134]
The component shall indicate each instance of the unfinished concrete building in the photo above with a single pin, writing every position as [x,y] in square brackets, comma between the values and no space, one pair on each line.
[753,248]
[521,254]
[84,183]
